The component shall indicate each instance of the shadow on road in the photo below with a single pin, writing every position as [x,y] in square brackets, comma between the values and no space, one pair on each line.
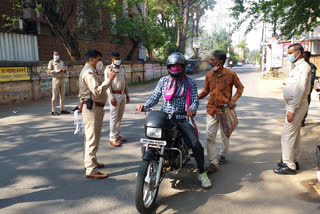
[254,150]
[41,160]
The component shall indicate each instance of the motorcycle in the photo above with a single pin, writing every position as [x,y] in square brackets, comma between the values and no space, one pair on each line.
[163,151]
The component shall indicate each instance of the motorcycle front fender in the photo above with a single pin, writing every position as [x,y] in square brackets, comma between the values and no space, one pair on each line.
[151,155]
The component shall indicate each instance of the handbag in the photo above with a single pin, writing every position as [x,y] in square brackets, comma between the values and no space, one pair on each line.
[228,120]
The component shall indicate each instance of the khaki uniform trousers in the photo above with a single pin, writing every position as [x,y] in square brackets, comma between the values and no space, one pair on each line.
[92,120]
[58,89]
[212,129]
[116,114]
[290,137]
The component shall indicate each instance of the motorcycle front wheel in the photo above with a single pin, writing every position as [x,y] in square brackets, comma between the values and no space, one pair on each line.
[146,189]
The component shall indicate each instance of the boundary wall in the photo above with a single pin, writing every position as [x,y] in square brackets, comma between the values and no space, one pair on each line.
[36,83]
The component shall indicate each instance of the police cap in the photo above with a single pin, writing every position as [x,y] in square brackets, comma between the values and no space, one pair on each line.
[92,53]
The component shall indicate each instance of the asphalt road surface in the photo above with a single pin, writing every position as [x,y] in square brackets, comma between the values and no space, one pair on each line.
[42,171]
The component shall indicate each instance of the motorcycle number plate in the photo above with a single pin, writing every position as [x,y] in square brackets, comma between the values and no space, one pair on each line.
[153,142]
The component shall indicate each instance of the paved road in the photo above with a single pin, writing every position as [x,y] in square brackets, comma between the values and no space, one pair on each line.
[41,167]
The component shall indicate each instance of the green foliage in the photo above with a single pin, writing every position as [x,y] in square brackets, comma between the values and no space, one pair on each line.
[9,21]
[254,56]
[138,27]
[245,50]
[290,17]
[155,30]
[167,15]
[165,50]
[218,41]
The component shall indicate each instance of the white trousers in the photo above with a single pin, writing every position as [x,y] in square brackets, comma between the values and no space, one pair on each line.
[212,129]
[290,137]
[116,114]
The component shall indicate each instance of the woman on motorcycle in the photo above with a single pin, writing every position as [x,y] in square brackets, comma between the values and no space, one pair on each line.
[180,94]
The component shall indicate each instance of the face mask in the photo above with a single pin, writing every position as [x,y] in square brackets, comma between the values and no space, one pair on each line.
[99,66]
[117,62]
[216,67]
[291,57]
[175,69]
[56,58]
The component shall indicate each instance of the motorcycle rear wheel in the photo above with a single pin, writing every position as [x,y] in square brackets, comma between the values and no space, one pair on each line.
[146,191]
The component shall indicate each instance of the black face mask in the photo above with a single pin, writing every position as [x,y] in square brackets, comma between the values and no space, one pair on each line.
[177,75]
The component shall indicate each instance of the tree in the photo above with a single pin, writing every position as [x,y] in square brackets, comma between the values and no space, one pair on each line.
[244,49]
[290,17]
[196,13]
[254,56]
[59,14]
[182,24]
[165,14]
[181,11]
[218,41]
[139,26]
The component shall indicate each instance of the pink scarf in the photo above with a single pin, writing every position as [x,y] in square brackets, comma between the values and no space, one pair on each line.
[176,88]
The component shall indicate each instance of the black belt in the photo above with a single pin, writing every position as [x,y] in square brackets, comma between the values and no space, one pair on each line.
[96,103]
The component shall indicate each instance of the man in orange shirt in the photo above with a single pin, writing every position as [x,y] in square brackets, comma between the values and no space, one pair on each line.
[219,82]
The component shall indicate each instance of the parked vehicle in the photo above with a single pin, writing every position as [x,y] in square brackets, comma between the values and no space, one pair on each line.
[239,64]
[190,66]
[163,151]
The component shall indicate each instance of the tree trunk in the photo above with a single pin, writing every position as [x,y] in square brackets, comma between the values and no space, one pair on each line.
[69,41]
[183,27]
[133,48]
[178,37]
[198,17]
[60,28]
[150,54]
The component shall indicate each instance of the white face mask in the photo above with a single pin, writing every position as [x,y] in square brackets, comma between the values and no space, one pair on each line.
[117,62]
[291,57]
[99,66]
[55,57]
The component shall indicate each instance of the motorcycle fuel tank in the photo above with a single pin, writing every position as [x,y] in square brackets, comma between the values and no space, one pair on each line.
[157,119]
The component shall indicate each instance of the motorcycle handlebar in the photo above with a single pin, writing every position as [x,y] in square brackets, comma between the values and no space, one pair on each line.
[146,109]
[183,113]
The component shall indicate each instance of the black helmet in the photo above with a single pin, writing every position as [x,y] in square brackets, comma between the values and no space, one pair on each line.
[173,59]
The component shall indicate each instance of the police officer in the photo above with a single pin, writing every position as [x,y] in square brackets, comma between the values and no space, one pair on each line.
[295,93]
[118,97]
[93,96]
[56,68]
[307,56]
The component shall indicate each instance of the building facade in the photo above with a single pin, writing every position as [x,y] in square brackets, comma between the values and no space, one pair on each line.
[276,61]
[31,38]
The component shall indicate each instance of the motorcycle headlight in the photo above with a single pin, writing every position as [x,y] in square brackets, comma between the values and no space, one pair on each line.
[154,132]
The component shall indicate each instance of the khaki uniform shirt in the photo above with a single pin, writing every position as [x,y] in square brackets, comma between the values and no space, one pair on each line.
[90,83]
[297,87]
[54,67]
[119,83]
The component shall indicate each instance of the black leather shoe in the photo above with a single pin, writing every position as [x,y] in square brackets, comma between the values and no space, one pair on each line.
[55,113]
[222,160]
[284,171]
[281,164]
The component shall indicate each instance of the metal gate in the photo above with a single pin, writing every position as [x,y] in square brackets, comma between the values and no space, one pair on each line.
[18,47]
